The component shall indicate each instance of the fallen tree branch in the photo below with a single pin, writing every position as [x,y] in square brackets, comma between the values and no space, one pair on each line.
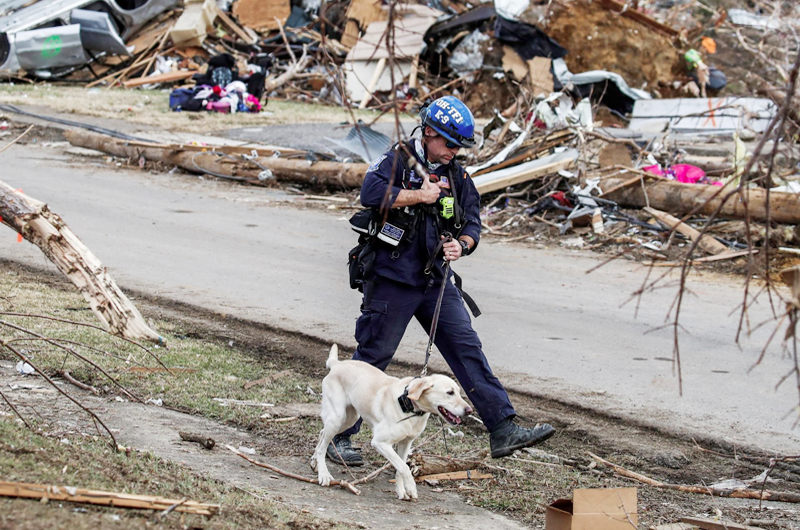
[103,498]
[45,229]
[17,139]
[341,483]
[15,410]
[372,475]
[71,352]
[84,324]
[94,416]
[250,171]
[205,441]
[737,493]
[66,375]
[681,199]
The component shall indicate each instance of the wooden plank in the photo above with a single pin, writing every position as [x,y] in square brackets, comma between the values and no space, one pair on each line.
[502,178]
[710,524]
[706,259]
[169,77]
[361,13]
[638,16]
[234,27]
[261,14]
[103,498]
[707,243]
[468,474]
[374,81]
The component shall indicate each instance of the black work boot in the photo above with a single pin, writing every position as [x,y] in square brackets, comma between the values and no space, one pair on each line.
[508,437]
[341,444]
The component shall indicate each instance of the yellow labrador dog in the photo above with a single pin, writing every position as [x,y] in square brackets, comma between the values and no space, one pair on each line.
[355,388]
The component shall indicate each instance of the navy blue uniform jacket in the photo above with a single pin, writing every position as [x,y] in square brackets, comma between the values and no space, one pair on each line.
[409,267]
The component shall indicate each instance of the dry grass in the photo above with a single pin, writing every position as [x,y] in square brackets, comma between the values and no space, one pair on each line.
[151,107]
[87,463]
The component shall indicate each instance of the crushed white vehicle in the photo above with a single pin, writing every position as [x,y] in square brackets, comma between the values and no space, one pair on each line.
[50,38]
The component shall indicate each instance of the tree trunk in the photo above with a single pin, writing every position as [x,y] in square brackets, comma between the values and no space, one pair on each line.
[45,229]
[332,174]
[679,199]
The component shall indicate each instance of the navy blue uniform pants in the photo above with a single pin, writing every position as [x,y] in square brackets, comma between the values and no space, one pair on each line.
[382,324]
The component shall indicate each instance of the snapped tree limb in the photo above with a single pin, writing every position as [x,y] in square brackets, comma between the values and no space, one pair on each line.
[249,170]
[45,229]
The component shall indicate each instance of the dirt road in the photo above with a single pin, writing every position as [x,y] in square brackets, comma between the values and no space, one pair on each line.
[548,327]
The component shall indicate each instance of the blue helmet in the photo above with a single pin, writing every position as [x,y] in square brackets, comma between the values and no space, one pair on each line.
[452,119]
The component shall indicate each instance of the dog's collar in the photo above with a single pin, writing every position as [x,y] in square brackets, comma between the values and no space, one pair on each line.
[407,406]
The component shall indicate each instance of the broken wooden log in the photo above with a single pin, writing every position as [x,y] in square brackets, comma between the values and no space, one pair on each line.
[737,493]
[680,199]
[205,441]
[710,524]
[705,242]
[258,171]
[427,464]
[35,222]
[103,498]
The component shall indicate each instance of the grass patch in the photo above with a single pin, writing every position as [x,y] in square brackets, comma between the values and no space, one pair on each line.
[151,107]
[89,463]
[204,370]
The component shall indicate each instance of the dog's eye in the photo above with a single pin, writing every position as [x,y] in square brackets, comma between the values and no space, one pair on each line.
[451,393]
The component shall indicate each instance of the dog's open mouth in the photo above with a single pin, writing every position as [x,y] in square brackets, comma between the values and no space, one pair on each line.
[449,416]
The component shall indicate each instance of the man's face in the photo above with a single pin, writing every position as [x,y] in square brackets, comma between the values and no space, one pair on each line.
[438,152]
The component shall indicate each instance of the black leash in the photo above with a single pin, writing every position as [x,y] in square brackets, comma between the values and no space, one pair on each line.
[435,321]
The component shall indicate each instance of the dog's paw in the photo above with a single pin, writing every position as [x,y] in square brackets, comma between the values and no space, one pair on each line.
[401,491]
[324,478]
[411,491]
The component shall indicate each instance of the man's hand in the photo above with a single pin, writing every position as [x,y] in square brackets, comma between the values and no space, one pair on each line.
[452,250]
[429,192]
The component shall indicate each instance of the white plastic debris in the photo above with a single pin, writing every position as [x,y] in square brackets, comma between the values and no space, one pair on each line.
[455,434]
[157,402]
[510,9]
[468,56]
[575,242]
[24,368]
[246,450]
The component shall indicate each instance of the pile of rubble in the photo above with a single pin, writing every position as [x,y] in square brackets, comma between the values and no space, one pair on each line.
[590,107]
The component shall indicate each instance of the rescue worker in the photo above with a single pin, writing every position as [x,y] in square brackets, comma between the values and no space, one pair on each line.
[406,273]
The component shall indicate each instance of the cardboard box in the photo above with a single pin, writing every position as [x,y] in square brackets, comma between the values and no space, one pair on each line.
[193,25]
[594,509]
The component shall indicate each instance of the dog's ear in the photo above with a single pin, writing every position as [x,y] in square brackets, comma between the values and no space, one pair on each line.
[417,386]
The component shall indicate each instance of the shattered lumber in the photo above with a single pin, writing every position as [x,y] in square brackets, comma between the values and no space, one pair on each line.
[710,524]
[45,229]
[738,493]
[638,16]
[103,498]
[426,464]
[169,77]
[251,171]
[680,199]
[707,243]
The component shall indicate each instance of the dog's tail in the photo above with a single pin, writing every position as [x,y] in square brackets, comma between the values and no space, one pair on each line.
[333,356]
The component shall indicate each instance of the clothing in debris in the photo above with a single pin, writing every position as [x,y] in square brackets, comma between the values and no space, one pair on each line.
[527,40]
